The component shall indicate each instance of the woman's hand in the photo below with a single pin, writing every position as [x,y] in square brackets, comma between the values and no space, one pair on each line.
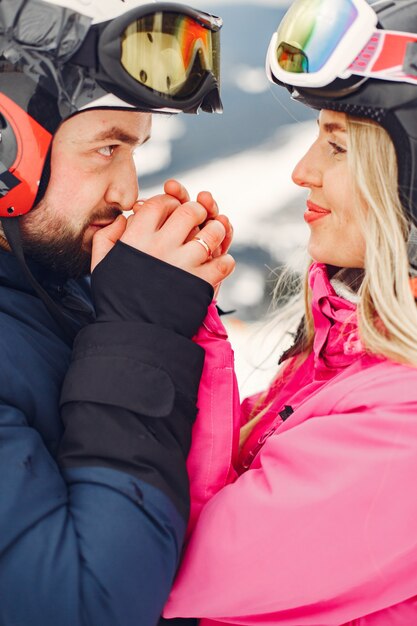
[174,188]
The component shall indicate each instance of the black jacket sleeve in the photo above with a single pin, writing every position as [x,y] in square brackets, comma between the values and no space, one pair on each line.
[135,373]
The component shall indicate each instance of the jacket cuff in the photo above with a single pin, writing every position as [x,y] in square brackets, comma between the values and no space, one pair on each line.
[131,285]
[137,366]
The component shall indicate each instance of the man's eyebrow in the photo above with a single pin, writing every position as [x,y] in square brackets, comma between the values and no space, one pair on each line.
[118,134]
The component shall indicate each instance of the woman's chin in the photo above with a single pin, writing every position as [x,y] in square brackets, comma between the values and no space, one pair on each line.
[318,254]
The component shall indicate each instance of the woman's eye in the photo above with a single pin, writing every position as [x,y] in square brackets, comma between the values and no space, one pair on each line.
[336,149]
[106,150]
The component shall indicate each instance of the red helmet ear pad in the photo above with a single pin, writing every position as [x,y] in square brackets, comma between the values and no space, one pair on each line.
[20,182]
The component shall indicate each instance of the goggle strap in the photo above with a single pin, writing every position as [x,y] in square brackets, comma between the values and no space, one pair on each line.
[86,55]
[388,55]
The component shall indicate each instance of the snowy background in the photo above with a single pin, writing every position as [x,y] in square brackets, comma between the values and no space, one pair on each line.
[244,157]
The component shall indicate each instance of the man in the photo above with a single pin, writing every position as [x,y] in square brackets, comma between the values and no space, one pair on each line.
[94,433]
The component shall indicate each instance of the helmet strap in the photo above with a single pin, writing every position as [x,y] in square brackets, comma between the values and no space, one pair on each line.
[45,176]
[11,228]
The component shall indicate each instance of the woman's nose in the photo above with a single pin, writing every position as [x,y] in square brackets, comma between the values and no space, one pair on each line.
[307,172]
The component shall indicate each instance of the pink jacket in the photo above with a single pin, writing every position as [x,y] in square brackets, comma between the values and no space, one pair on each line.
[321,530]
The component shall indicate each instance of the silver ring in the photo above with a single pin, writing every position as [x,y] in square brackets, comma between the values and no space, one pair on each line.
[204,244]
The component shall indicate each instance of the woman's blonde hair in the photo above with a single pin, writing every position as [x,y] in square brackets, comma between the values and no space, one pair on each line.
[387,313]
[387,310]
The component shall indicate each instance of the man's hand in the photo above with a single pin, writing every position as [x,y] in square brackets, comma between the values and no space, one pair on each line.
[105,239]
[165,227]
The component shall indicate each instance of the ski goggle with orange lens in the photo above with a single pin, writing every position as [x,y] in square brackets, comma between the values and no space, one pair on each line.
[319,41]
[165,54]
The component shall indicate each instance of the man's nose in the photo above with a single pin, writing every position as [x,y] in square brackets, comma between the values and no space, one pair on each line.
[123,188]
[307,172]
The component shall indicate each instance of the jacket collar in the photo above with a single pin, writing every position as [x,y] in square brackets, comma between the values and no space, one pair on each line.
[336,341]
[73,295]
[11,274]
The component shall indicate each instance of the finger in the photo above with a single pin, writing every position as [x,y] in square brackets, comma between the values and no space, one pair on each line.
[150,216]
[175,188]
[193,233]
[207,240]
[181,222]
[138,205]
[225,245]
[105,238]
[216,270]
[206,199]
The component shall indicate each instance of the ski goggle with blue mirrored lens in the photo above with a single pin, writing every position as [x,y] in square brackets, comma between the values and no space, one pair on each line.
[318,41]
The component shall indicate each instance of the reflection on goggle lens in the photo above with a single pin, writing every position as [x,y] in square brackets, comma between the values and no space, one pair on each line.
[291,59]
[310,32]
[169,53]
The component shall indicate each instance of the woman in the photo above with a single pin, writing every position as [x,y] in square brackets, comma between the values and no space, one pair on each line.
[313,521]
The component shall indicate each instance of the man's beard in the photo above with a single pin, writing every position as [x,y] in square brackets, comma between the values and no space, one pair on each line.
[52,243]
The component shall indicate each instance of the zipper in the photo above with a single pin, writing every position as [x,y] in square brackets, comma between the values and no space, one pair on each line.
[252,454]
[284,414]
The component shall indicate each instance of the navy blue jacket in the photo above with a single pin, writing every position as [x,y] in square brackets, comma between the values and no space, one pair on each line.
[93,441]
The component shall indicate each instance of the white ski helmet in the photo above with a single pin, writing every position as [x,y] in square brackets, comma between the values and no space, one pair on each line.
[369,50]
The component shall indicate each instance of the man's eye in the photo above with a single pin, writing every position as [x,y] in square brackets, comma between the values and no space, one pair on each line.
[106,150]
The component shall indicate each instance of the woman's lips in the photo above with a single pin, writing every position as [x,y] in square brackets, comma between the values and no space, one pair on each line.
[314,212]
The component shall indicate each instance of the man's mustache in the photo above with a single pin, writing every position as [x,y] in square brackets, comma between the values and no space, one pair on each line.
[108,214]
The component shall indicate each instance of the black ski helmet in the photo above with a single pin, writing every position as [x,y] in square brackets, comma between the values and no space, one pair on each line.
[390,103]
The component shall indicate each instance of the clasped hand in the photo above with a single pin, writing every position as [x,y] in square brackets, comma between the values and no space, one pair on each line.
[165,226]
